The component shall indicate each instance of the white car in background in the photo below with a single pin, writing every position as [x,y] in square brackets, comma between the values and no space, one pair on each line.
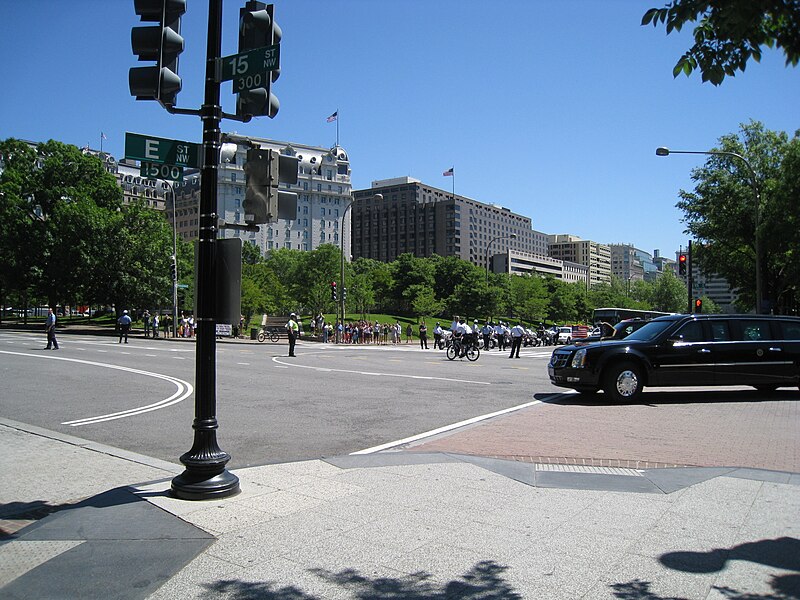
[564,335]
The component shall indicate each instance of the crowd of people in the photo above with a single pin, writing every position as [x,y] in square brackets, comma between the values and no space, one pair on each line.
[363,332]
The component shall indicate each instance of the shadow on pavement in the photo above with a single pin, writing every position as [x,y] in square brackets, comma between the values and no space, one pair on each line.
[656,398]
[483,581]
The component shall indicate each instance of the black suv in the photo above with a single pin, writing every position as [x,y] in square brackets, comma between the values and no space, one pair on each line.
[758,350]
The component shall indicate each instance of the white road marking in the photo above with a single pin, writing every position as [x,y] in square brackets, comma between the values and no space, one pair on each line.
[445,429]
[184,389]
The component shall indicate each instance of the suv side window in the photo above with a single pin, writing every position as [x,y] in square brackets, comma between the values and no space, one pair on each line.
[720,331]
[692,332]
[790,330]
[753,331]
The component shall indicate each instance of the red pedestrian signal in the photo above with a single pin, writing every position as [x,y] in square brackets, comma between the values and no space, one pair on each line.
[698,305]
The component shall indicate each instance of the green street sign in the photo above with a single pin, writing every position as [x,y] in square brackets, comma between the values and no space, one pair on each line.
[182,286]
[161,171]
[151,149]
[250,70]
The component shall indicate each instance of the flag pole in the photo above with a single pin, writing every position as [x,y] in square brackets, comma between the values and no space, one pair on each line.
[337,127]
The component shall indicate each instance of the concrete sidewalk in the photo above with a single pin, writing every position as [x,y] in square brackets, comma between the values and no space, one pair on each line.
[89,521]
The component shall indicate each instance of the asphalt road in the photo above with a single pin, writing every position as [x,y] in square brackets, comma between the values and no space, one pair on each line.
[329,400]
[333,400]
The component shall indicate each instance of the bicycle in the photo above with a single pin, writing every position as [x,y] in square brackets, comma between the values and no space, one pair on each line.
[461,348]
[270,333]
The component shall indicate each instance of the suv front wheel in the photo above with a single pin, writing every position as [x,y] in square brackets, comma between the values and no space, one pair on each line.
[623,382]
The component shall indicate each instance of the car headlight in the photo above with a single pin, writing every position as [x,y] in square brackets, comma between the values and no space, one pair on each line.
[579,359]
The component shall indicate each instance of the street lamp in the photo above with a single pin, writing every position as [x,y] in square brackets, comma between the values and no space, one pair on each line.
[756,238]
[341,249]
[511,236]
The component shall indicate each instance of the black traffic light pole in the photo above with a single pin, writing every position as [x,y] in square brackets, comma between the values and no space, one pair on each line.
[689,277]
[205,476]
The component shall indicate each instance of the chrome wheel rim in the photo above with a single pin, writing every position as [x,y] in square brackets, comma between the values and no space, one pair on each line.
[627,383]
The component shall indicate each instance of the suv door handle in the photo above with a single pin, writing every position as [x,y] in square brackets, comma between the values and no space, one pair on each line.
[775,349]
[704,351]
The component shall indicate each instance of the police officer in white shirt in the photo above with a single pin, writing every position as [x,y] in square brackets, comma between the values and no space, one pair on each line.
[516,339]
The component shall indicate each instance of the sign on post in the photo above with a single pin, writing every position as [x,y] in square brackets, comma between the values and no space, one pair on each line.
[151,149]
[250,70]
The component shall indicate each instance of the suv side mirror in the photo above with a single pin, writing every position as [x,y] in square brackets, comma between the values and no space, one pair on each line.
[674,339]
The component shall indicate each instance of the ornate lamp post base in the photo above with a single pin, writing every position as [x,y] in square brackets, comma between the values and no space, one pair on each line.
[205,477]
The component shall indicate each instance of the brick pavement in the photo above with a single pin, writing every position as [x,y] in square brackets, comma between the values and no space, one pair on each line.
[731,427]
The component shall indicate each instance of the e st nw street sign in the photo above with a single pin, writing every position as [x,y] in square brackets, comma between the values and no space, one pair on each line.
[151,149]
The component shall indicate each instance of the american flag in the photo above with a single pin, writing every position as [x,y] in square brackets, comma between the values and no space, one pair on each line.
[449,172]
[333,117]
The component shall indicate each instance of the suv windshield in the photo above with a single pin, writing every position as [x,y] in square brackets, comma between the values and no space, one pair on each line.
[650,330]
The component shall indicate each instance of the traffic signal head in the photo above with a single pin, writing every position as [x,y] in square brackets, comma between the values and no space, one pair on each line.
[681,264]
[263,202]
[258,29]
[698,305]
[260,198]
[161,43]
[333,291]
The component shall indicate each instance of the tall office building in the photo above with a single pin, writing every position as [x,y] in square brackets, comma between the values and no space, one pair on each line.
[596,256]
[403,214]
[323,190]
[631,264]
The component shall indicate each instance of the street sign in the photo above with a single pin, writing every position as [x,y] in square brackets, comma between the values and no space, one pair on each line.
[250,70]
[159,171]
[151,149]
[183,286]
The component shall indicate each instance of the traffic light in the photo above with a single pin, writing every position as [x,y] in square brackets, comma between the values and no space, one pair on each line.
[344,293]
[263,202]
[681,264]
[258,29]
[173,269]
[333,291]
[161,43]
[698,305]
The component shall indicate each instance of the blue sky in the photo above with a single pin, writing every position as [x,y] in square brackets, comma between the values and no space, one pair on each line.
[552,109]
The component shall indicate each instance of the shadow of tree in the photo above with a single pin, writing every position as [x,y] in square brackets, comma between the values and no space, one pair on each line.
[785,587]
[483,581]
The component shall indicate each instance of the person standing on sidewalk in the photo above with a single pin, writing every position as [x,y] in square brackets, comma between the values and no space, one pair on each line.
[423,335]
[516,339]
[124,323]
[146,320]
[50,328]
[155,325]
[292,328]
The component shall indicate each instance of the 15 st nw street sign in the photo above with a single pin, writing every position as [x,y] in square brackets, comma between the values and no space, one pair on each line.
[151,149]
[250,70]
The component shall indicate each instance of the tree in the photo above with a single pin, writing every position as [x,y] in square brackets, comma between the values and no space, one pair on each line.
[670,294]
[529,298]
[57,206]
[424,302]
[730,32]
[720,214]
